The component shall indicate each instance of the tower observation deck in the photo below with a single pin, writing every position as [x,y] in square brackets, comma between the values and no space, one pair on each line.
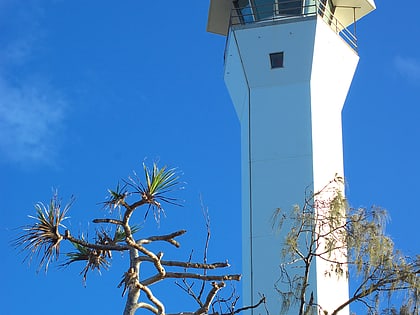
[338,14]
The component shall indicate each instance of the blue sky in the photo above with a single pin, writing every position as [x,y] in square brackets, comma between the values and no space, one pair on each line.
[91,89]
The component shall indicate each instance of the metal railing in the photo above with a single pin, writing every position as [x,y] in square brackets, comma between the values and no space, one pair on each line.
[288,11]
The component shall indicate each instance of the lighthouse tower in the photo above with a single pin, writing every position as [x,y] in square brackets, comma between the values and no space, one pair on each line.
[288,67]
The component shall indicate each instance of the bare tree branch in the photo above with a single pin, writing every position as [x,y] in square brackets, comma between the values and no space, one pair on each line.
[45,237]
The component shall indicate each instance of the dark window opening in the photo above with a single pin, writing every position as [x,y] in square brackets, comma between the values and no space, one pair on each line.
[249,11]
[289,7]
[276,60]
[264,8]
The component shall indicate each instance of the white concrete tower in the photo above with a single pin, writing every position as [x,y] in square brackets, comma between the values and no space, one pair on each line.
[288,67]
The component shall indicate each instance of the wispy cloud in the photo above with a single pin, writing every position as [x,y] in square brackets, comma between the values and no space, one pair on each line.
[407,67]
[30,122]
[32,112]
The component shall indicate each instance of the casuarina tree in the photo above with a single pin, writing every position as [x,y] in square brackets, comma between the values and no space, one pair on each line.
[354,245]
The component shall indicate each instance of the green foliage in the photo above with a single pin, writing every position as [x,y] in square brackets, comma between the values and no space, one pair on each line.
[115,234]
[120,235]
[159,182]
[94,258]
[326,225]
[43,238]
[116,197]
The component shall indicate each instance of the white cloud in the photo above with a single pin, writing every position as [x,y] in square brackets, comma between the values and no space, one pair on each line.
[31,111]
[30,120]
[408,68]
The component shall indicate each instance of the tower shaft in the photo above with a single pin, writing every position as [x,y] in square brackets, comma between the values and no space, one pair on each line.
[288,80]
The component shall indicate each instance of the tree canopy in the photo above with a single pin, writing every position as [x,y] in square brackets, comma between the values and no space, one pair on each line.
[383,280]
[44,239]
[352,241]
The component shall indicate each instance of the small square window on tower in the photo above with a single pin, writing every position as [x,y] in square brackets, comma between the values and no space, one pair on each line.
[276,60]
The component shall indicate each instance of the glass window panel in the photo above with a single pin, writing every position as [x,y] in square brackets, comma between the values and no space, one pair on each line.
[290,7]
[244,11]
[264,8]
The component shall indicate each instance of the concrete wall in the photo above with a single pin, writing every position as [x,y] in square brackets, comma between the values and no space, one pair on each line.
[291,137]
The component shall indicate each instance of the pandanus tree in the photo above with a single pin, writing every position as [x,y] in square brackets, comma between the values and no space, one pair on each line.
[44,238]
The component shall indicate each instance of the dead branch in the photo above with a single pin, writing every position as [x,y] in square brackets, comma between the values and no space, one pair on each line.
[216,286]
[45,235]
[167,238]
[102,247]
[193,265]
